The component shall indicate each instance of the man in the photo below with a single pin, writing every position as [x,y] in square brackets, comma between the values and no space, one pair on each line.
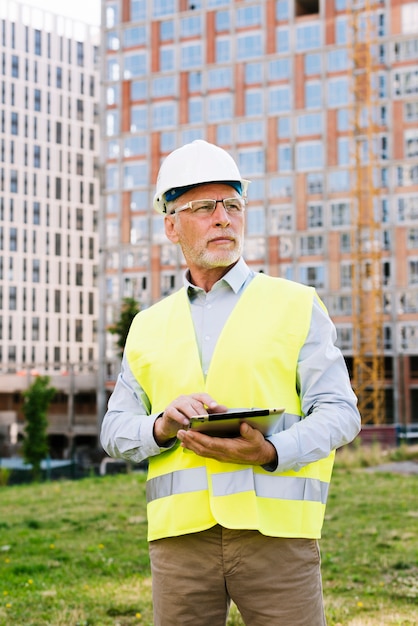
[230,518]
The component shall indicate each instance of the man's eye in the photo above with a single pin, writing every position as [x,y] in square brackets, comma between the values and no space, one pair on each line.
[234,207]
[203,208]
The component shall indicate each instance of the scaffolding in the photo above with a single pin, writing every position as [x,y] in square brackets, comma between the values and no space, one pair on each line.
[367,314]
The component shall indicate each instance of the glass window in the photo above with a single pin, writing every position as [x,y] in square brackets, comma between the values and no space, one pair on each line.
[135,174]
[250,131]
[279,69]
[135,146]
[139,90]
[164,115]
[341,30]
[409,18]
[195,81]
[224,134]
[309,124]
[313,95]
[340,213]
[135,65]
[337,60]
[138,10]
[112,40]
[163,7]
[112,177]
[220,78]
[281,187]
[253,102]
[338,92]
[343,119]
[343,148]
[139,118]
[339,181]
[191,26]
[312,275]
[191,55]
[223,50]
[134,36]
[167,58]
[251,161]
[281,220]
[282,40]
[249,46]
[113,71]
[112,94]
[309,155]
[249,16]
[253,73]
[284,127]
[220,108]
[112,14]
[167,30]
[222,20]
[313,64]
[285,158]
[282,10]
[163,86]
[195,110]
[315,215]
[279,99]
[311,244]
[255,221]
[308,36]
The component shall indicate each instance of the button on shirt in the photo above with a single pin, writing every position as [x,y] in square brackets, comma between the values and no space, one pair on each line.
[327,400]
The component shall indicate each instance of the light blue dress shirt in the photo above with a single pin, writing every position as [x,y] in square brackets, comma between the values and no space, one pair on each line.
[327,399]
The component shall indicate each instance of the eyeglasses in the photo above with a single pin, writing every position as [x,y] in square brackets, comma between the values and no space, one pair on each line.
[205,208]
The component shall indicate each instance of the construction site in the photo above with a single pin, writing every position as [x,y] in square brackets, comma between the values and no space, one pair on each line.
[318,103]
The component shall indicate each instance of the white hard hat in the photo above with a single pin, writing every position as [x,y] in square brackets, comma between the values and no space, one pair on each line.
[193,164]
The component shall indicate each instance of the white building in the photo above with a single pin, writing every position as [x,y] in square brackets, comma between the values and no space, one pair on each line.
[49,198]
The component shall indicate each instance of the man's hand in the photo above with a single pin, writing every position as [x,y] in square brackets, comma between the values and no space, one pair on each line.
[179,411]
[250,448]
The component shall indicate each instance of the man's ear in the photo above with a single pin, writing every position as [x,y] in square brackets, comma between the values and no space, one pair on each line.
[170,229]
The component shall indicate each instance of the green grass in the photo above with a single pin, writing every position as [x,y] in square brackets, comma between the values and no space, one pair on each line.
[74,553]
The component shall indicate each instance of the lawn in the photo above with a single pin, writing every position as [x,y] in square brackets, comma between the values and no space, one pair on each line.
[74,553]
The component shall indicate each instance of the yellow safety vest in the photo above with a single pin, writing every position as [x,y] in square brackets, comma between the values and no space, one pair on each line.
[254,364]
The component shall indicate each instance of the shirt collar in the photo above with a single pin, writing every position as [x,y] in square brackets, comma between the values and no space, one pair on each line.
[235,278]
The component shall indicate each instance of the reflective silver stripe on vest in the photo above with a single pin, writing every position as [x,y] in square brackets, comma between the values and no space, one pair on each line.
[182,481]
[270,486]
[226,483]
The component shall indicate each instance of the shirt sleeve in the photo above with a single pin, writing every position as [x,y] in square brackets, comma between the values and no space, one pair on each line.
[328,401]
[127,428]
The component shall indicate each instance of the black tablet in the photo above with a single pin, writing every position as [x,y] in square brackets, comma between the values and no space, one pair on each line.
[227,424]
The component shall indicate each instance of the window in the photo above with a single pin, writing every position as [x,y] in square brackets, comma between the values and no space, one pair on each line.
[281,220]
[139,118]
[315,216]
[167,58]
[135,174]
[279,99]
[164,115]
[249,46]
[337,60]
[338,91]
[313,275]
[249,16]
[14,123]
[195,110]
[223,50]
[38,42]
[253,102]
[191,55]
[411,143]
[308,36]
[340,214]
[285,158]
[15,66]
[219,78]
[191,26]
[313,64]
[135,65]
[253,73]
[309,155]
[279,69]
[282,40]
[135,36]
[309,124]
[313,95]
[343,149]
[251,161]
[311,244]
[219,108]
[250,131]
[413,272]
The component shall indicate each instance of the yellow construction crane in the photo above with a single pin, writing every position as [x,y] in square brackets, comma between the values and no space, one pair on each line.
[367,317]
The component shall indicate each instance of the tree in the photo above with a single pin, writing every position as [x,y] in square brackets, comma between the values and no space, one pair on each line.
[37,399]
[130,307]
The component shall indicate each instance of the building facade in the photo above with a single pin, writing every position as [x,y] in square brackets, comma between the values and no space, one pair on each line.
[271,82]
[49,201]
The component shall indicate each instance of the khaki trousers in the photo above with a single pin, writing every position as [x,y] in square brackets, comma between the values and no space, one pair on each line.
[273,581]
